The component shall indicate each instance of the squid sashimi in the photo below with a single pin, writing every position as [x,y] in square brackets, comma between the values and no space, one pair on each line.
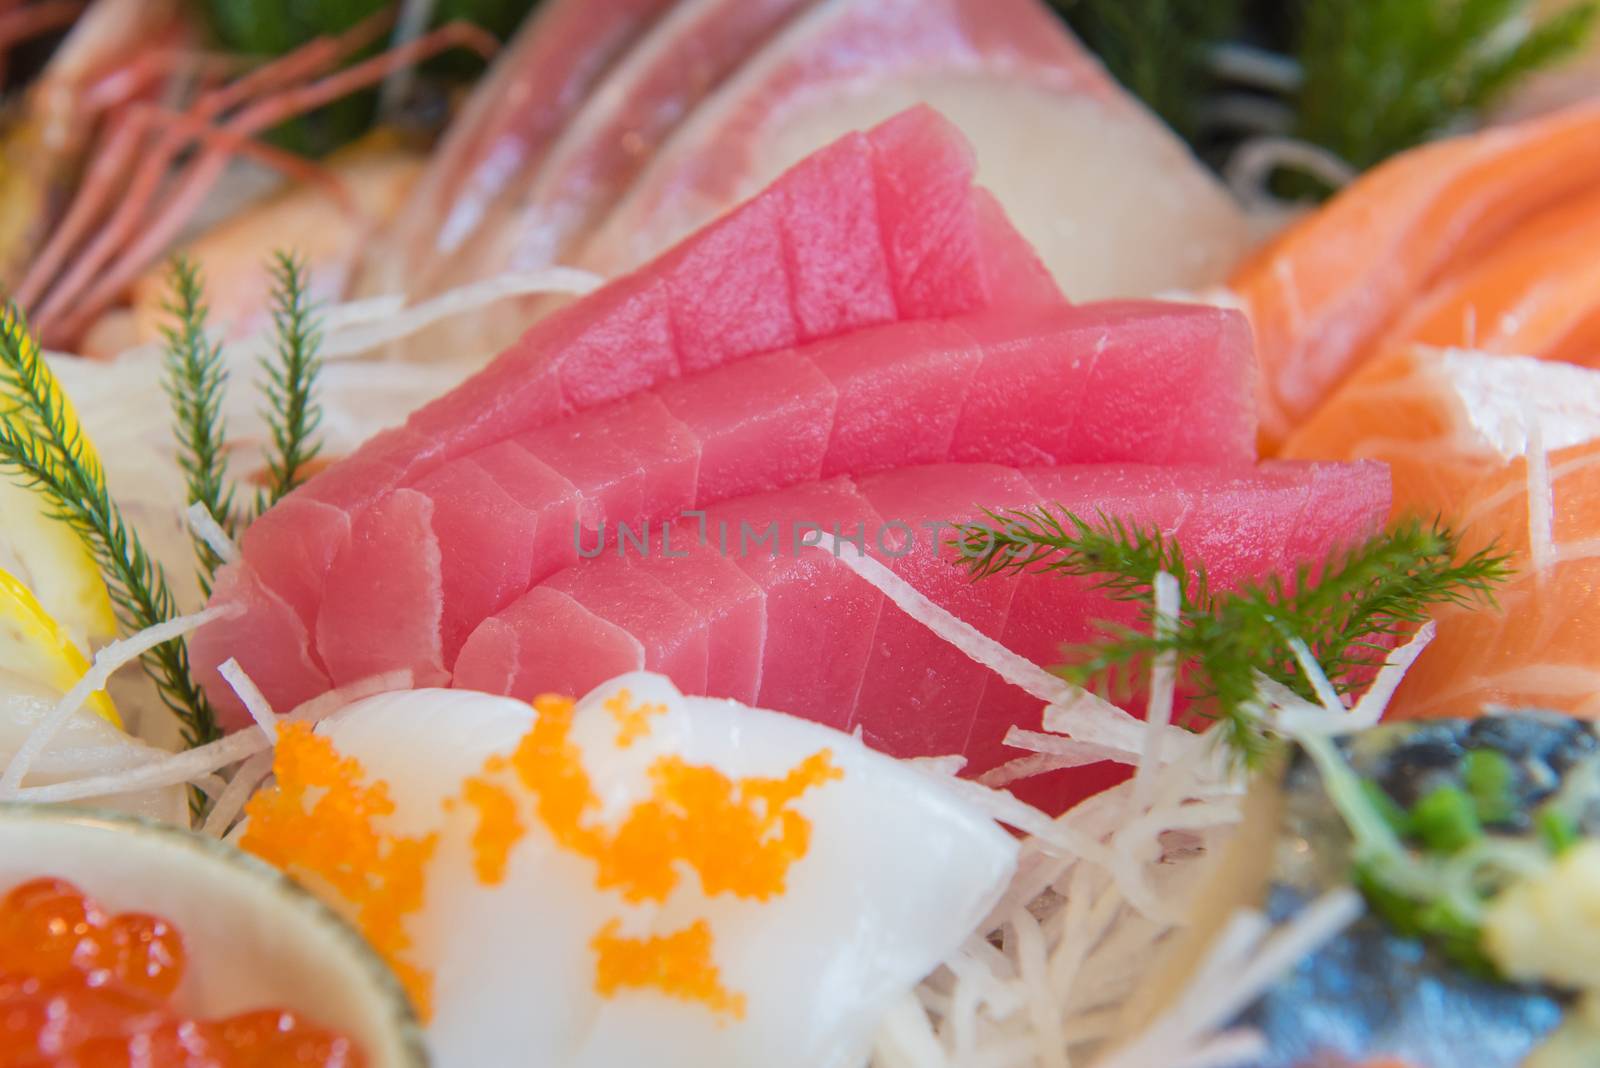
[1129,381]
[1543,649]
[516,111]
[875,228]
[1114,202]
[736,605]
[684,56]
[1320,294]
[1443,420]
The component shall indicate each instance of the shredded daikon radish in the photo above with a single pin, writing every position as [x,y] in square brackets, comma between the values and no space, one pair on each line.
[1168,596]
[1316,677]
[1059,745]
[1017,670]
[1370,708]
[227,807]
[106,662]
[360,338]
[1033,764]
[208,530]
[1541,499]
[178,769]
[255,702]
[1256,160]
[944,765]
[191,765]
[1050,1045]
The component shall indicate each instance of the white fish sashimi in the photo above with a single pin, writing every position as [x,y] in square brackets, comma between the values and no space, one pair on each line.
[896,873]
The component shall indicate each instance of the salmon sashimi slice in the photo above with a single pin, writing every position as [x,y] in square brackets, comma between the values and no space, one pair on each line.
[1321,293]
[1119,381]
[1542,650]
[833,650]
[1445,419]
[1113,200]
[875,228]
[1537,293]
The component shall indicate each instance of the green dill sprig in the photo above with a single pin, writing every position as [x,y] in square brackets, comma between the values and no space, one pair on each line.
[42,445]
[1347,610]
[1380,76]
[195,379]
[293,414]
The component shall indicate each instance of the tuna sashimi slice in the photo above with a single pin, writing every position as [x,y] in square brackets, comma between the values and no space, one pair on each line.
[834,651]
[915,697]
[731,606]
[389,586]
[1147,381]
[1115,203]
[672,634]
[1036,388]
[766,535]
[545,643]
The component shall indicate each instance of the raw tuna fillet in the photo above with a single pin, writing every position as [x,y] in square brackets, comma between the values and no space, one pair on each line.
[832,649]
[1154,382]
[1114,202]
[876,228]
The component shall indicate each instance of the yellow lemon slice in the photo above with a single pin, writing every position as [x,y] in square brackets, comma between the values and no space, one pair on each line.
[54,608]
[35,649]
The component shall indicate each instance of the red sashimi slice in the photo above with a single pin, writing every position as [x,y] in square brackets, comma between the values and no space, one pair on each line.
[268,641]
[730,604]
[1146,381]
[994,386]
[389,585]
[1114,201]
[762,423]
[545,643]
[1239,525]
[816,255]
[766,536]
[897,389]
[833,650]
[916,698]
[671,633]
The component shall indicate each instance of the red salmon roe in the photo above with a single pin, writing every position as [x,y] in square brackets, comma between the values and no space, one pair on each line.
[80,988]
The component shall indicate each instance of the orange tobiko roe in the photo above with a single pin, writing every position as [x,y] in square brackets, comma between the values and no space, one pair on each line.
[81,988]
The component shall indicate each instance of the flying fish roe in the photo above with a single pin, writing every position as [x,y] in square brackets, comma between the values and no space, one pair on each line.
[677,964]
[319,823]
[633,718]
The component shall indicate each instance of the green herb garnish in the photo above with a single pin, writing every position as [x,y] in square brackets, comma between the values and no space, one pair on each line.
[195,381]
[1446,820]
[292,412]
[1557,829]
[1348,611]
[1157,48]
[42,445]
[1491,780]
[1384,75]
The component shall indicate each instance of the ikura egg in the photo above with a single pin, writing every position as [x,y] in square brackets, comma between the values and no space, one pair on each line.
[640,877]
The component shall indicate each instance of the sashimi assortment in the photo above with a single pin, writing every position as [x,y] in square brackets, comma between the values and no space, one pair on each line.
[870,574]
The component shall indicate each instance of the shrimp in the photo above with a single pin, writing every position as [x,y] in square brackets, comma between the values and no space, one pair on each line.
[150,165]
